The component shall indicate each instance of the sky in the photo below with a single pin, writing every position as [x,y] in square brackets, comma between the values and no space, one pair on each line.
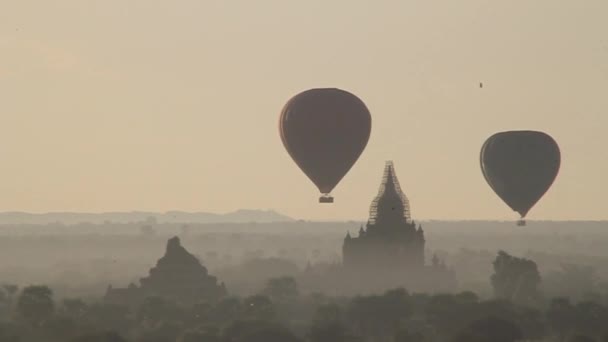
[122,105]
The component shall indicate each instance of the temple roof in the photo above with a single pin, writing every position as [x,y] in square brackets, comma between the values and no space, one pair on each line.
[176,271]
[178,275]
[390,201]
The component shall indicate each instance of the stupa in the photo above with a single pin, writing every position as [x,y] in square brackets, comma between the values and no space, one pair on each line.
[178,275]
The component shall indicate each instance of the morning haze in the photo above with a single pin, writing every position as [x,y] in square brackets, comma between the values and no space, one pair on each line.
[147,194]
[155,105]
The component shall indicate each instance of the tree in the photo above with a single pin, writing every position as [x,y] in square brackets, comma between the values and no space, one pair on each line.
[162,332]
[269,334]
[377,316]
[74,307]
[591,318]
[199,336]
[328,312]
[328,325]
[10,289]
[59,328]
[258,307]
[111,317]
[468,336]
[490,329]
[281,288]
[155,310]
[225,310]
[329,331]
[253,330]
[447,314]
[515,279]
[467,297]
[403,335]
[5,299]
[10,332]
[561,316]
[499,330]
[35,304]
[581,338]
[100,337]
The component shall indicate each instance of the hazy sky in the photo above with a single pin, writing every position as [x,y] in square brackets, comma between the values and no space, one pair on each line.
[160,105]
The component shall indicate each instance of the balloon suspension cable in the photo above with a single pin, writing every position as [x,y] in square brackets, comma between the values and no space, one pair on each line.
[326,198]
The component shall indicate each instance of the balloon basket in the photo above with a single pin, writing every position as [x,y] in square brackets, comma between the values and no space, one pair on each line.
[521,223]
[326,199]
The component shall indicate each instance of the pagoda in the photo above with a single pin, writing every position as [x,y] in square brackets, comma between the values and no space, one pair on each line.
[178,275]
[390,240]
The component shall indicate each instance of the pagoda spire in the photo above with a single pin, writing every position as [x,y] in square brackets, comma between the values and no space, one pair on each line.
[390,199]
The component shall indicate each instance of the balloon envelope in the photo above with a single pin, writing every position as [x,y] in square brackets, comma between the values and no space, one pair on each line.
[325,131]
[520,166]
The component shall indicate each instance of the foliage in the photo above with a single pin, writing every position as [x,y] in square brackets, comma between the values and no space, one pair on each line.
[35,304]
[280,315]
[515,279]
[281,288]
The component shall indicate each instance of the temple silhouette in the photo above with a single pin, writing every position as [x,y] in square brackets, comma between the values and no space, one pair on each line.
[178,275]
[388,252]
[390,239]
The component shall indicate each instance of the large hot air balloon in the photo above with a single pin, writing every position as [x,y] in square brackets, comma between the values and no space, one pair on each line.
[520,166]
[325,131]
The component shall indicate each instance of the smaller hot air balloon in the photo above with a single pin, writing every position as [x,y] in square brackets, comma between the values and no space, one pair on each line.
[325,131]
[520,166]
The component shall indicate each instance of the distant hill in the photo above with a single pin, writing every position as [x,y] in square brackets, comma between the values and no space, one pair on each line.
[239,216]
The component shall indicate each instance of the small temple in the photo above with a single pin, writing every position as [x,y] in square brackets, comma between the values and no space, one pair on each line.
[178,275]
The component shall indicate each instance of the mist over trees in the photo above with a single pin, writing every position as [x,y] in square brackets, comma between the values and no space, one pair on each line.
[395,315]
[546,282]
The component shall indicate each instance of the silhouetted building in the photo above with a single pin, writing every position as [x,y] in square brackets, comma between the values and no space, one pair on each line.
[178,275]
[389,252]
[390,239]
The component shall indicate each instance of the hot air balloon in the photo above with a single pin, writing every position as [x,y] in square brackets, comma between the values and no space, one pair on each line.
[325,131]
[520,167]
